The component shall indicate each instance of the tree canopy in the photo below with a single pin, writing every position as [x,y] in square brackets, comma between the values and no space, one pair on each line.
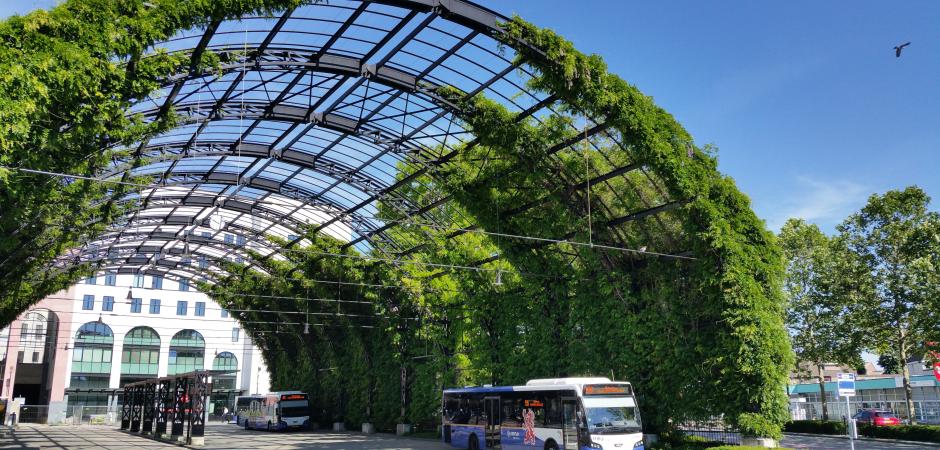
[822,311]
[896,239]
[695,320]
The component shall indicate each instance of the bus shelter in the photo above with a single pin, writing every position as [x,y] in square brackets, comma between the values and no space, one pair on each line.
[179,400]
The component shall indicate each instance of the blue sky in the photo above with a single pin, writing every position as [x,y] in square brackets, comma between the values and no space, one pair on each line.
[809,108]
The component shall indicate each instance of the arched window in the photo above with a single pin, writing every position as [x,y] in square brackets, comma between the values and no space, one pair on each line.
[91,363]
[92,353]
[223,386]
[187,352]
[225,361]
[94,333]
[140,357]
[32,331]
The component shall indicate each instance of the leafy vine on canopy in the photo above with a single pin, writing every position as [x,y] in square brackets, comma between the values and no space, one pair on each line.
[68,77]
[699,338]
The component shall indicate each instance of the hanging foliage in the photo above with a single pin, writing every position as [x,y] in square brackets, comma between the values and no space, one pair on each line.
[68,77]
[696,324]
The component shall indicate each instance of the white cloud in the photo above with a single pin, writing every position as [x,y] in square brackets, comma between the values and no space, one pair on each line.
[823,202]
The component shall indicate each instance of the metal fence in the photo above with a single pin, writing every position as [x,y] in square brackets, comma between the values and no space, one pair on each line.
[90,415]
[925,411]
[33,414]
[714,430]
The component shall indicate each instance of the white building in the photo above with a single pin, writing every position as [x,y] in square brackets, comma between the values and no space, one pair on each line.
[79,346]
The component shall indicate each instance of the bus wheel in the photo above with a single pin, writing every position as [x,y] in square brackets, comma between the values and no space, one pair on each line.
[551,445]
[474,445]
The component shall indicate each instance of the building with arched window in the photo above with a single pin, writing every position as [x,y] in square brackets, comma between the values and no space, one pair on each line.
[92,339]
[28,350]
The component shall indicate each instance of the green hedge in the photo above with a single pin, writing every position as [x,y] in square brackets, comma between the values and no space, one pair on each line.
[815,427]
[924,433]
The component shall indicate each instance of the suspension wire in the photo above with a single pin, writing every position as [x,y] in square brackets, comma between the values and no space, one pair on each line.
[405,222]
[236,310]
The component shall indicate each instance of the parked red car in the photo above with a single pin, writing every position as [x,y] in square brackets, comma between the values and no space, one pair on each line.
[877,417]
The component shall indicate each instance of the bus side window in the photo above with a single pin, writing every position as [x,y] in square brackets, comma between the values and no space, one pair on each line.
[451,408]
[475,406]
[553,411]
[539,411]
[512,410]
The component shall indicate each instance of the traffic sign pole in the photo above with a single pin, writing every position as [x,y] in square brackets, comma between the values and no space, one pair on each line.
[851,424]
[845,384]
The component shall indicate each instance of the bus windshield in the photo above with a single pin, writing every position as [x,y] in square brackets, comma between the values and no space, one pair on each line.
[613,420]
[294,408]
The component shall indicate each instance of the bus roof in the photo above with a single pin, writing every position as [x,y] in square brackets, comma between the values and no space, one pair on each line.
[543,384]
[574,381]
[478,389]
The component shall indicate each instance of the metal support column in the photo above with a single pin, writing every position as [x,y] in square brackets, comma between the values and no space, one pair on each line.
[179,408]
[136,407]
[150,390]
[164,400]
[126,409]
[199,391]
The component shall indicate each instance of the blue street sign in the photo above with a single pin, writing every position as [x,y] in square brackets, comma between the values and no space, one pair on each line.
[846,383]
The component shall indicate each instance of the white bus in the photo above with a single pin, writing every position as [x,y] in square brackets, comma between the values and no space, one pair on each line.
[278,411]
[548,414]
[243,407]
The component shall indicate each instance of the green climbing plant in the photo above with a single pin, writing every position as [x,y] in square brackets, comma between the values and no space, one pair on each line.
[69,77]
[699,333]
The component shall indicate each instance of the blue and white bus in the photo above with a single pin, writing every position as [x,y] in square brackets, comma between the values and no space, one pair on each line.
[278,411]
[243,406]
[548,414]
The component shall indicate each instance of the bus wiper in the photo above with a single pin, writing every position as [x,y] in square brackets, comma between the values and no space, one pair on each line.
[615,429]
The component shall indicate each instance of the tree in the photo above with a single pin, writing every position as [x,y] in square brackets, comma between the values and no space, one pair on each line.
[819,315]
[896,239]
[889,364]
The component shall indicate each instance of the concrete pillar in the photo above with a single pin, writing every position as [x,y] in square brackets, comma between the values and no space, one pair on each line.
[759,442]
[13,351]
[114,381]
[56,414]
[402,429]
[164,362]
[62,360]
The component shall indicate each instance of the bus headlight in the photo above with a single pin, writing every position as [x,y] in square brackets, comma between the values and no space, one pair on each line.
[638,445]
[593,444]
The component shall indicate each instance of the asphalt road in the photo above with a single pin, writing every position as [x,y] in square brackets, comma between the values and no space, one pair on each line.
[226,437]
[841,443]
[218,437]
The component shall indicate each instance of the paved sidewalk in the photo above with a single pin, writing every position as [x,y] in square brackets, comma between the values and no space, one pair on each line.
[818,442]
[218,437]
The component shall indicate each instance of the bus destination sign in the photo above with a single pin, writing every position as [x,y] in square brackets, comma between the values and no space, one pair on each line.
[607,389]
[294,397]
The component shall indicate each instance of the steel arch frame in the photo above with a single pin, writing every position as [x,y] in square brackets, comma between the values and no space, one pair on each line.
[343,75]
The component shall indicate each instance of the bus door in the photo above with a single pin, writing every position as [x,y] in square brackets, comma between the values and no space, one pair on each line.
[569,425]
[491,408]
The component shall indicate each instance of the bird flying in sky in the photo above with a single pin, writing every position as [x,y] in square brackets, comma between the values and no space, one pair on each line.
[897,50]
